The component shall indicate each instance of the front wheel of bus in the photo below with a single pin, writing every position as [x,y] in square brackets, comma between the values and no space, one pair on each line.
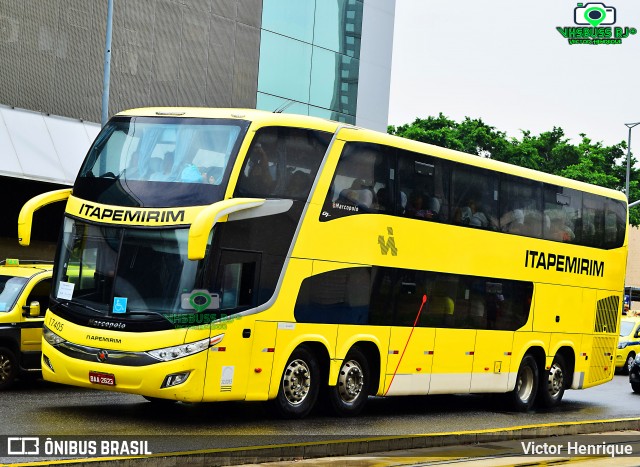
[299,385]
[349,395]
[552,383]
[524,394]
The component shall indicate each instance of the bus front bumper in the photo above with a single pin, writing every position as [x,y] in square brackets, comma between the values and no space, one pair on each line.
[181,379]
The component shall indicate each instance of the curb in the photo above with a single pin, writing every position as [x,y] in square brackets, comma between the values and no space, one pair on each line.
[359,446]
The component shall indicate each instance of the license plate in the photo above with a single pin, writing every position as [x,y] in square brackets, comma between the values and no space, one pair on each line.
[106,379]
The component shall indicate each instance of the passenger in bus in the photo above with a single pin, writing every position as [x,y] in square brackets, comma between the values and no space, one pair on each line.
[359,194]
[472,215]
[258,180]
[558,228]
[213,175]
[422,207]
[512,221]
[164,174]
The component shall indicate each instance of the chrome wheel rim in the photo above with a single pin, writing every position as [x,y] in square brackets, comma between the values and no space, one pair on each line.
[5,368]
[350,381]
[556,380]
[525,384]
[296,382]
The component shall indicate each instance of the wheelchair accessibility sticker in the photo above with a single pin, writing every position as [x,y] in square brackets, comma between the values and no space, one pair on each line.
[119,305]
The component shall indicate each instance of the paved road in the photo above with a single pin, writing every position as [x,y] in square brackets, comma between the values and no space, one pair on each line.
[45,409]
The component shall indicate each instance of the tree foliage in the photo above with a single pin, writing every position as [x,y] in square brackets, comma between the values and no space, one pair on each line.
[550,151]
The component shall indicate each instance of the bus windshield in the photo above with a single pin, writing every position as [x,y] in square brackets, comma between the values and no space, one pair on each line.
[109,270]
[133,161]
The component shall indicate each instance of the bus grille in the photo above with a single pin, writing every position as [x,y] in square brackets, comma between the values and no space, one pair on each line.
[602,359]
[607,315]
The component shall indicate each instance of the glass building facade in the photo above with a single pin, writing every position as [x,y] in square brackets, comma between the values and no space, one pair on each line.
[310,57]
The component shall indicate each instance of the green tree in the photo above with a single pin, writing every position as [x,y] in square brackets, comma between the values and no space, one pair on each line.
[549,152]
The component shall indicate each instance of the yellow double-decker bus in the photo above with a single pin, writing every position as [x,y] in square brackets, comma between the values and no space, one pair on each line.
[224,254]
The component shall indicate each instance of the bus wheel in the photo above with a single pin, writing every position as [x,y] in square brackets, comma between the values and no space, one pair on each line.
[524,394]
[349,395]
[299,385]
[552,383]
[8,368]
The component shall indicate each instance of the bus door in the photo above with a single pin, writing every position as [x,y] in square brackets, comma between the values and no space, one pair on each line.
[236,281]
[410,342]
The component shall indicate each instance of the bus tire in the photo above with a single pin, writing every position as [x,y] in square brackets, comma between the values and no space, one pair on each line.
[8,368]
[524,394]
[552,383]
[299,385]
[349,396]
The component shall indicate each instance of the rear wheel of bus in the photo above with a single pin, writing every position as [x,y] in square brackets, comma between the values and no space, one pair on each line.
[349,395]
[552,383]
[299,385]
[524,394]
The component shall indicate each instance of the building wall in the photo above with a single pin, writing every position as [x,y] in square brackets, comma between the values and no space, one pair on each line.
[164,52]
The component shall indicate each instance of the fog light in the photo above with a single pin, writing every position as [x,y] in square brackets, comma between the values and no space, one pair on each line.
[47,362]
[175,379]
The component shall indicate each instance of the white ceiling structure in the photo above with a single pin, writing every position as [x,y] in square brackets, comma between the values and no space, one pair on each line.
[42,147]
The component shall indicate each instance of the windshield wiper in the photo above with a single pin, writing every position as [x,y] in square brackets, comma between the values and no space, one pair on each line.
[70,305]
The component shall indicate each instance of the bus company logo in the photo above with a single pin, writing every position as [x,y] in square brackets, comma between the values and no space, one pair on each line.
[102,356]
[388,244]
[595,22]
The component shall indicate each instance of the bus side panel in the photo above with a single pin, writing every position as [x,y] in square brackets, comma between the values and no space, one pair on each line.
[522,342]
[452,361]
[561,309]
[228,362]
[492,361]
[259,378]
[291,335]
[414,352]
[350,335]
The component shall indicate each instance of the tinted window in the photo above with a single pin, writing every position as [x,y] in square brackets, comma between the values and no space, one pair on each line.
[362,182]
[422,187]
[386,296]
[474,197]
[282,162]
[562,209]
[520,206]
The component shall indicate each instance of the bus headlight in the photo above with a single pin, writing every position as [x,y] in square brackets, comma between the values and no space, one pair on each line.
[51,337]
[178,351]
[622,345]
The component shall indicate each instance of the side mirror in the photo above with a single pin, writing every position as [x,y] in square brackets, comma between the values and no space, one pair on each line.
[34,309]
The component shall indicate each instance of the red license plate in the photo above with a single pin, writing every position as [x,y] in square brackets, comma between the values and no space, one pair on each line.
[106,379]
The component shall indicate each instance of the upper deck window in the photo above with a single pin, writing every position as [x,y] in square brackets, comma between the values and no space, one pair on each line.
[133,159]
[282,162]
